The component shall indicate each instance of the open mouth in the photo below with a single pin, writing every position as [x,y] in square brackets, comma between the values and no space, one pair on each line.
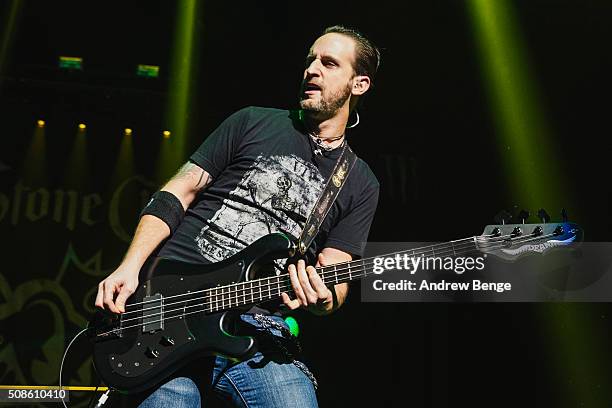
[311,88]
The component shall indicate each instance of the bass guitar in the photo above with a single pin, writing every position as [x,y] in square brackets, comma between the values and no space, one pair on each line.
[182,310]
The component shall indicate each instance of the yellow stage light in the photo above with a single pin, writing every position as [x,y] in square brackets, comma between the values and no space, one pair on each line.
[166,134]
[40,123]
[127,131]
[82,126]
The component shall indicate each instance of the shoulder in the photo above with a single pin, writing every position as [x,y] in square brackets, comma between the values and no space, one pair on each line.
[259,113]
[364,176]
[267,123]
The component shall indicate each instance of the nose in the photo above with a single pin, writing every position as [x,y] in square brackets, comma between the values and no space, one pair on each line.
[314,69]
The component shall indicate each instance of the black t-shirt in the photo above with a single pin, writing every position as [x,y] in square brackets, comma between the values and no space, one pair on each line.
[266,178]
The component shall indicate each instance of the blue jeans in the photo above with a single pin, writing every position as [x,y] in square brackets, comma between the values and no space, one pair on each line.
[262,381]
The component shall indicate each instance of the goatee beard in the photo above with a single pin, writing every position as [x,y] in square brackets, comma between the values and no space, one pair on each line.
[326,107]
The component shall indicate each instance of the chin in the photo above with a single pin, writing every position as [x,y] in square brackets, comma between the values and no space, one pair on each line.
[310,105]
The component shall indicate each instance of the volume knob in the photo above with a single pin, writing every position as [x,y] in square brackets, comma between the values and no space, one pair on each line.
[152,353]
[167,341]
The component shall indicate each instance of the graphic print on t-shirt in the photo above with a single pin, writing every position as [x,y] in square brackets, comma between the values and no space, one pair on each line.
[275,195]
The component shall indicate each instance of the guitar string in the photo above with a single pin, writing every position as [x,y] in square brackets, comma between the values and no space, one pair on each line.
[277,286]
[469,241]
[338,267]
[251,287]
[342,263]
[352,271]
[270,296]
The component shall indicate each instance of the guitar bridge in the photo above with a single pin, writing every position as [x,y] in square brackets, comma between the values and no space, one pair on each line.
[119,330]
[152,313]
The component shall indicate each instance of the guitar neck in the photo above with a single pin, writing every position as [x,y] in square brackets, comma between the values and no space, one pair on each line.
[361,268]
[270,288]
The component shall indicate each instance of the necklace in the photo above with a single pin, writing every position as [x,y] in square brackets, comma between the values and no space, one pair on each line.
[321,145]
[317,140]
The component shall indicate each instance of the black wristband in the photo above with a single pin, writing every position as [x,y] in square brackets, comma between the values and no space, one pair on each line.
[167,207]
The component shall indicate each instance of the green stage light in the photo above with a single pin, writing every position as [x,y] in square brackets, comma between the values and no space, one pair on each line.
[535,179]
[147,71]
[71,63]
[182,79]
[523,131]
[8,27]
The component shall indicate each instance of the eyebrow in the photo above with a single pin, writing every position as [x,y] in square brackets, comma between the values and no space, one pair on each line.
[311,56]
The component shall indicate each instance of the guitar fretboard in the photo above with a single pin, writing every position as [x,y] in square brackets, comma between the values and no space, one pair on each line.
[269,288]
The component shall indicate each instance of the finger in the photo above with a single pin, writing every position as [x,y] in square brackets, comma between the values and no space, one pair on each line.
[295,284]
[322,260]
[290,303]
[99,295]
[317,284]
[109,292]
[124,293]
[310,293]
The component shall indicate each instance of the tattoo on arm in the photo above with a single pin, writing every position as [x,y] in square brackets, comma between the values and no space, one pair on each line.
[200,180]
[194,172]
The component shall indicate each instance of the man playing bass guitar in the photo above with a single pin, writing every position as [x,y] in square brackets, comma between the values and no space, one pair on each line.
[262,171]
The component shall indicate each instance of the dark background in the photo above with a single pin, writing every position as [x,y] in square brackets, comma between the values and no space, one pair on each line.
[427,132]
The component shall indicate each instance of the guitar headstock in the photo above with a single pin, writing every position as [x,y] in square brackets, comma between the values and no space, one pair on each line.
[510,241]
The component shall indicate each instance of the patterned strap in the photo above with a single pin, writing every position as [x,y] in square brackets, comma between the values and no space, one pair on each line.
[267,323]
[343,167]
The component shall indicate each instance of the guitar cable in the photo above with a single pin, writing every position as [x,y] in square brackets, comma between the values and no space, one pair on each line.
[104,396]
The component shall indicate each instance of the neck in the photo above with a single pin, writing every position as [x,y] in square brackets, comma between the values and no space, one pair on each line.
[327,129]
[263,289]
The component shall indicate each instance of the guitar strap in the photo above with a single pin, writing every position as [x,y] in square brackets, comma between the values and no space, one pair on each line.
[336,180]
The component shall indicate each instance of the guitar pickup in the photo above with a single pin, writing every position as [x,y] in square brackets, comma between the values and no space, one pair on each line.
[152,313]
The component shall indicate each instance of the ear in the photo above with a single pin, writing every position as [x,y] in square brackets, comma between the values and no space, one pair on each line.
[361,84]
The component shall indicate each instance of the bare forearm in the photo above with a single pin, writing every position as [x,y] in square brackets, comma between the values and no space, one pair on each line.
[150,232]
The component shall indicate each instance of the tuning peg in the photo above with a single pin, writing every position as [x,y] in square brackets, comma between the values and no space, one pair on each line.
[502,217]
[564,215]
[523,215]
[543,215]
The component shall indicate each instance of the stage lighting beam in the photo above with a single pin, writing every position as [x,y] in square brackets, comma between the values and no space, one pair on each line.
[534,178]
[525,144]
[182,79]
[34,166]
[9,28]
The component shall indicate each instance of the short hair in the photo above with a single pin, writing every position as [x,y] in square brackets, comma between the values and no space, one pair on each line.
[367,58]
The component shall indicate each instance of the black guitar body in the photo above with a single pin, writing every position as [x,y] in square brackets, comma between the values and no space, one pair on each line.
[165,329]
